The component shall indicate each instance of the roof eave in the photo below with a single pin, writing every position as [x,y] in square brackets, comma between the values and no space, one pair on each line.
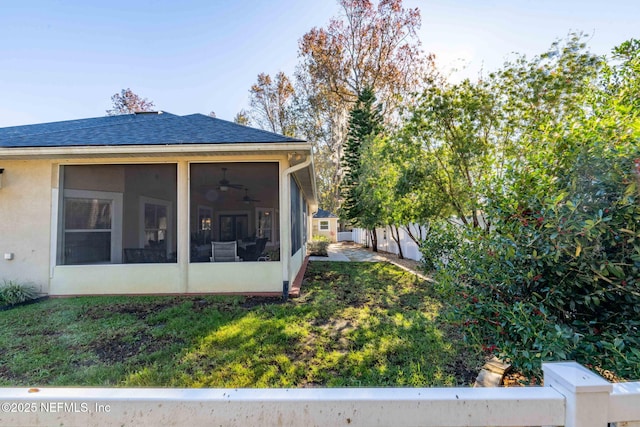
[22,153]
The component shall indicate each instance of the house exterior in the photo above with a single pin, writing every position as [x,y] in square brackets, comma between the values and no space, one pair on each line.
[131,205]
[325,224]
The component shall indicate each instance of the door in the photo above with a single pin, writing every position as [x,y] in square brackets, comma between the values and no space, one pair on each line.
[233,227]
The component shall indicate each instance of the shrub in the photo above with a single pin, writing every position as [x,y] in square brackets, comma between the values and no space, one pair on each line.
[318,246]
[439,245]
[12,292]
[556,279]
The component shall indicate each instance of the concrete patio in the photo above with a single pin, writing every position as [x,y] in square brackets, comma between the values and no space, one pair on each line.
[346,252]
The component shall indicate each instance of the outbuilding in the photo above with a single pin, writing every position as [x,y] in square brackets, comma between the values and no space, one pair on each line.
[325,224]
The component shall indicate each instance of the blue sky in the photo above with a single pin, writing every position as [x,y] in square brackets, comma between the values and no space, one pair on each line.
[64,59]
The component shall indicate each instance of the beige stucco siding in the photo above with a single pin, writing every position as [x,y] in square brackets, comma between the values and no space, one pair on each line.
[25,215]
[235,277]
[115,279]
[296,263]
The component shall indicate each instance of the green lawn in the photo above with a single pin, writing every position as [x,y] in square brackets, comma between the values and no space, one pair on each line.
[355,324]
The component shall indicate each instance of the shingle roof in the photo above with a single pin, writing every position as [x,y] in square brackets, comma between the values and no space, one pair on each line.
[136,129]
[324,214]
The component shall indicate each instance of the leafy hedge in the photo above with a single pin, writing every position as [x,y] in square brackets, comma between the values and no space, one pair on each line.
[558,280]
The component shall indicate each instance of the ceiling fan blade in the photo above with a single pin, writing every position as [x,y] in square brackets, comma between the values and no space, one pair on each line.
[246,198]
[225,184]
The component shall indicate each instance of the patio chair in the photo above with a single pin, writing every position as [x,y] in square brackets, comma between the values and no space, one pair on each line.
[255,252]
[224,252]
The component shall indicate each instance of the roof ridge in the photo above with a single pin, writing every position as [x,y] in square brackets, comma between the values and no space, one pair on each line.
[293,138]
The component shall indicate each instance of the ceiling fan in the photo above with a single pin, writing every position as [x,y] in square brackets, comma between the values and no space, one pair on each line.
[224,183]
[246,198]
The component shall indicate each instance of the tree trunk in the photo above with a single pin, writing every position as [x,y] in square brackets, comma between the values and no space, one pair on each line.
[416,237]
[374,240]
[396,238]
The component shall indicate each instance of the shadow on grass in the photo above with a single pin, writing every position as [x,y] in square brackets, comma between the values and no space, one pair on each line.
[355,324]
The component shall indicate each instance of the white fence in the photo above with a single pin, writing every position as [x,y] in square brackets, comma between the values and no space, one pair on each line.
[572,396]
[345,236]
[386,243]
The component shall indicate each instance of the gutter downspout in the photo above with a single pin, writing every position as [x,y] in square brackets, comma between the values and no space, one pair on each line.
[285,212]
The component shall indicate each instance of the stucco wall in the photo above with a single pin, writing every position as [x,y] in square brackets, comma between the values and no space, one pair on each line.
[25,214]
[236,277]
[296,263]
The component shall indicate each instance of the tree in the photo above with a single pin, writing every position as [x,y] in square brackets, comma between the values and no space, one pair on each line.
[270,101]
[127,102]
[556,274]
[360,207]
[373,46]
[242,118]
[407,194]
[369,45]
[451,137]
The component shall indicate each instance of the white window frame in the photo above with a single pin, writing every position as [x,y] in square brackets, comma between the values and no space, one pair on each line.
[116,218]
[324,225]
[142,237]
[268,212]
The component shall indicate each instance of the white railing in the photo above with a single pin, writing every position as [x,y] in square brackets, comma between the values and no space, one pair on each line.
[573,396]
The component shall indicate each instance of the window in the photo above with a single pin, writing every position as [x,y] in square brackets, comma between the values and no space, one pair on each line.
[204,228]
[305,221]
[155,223]
[296,226]
[91,227]
[324,225]
[109,214]
[264,223]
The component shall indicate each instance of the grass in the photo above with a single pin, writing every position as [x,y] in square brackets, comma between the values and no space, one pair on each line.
[355,324]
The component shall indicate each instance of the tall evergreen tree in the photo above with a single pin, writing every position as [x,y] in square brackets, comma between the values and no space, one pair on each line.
[365,123]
